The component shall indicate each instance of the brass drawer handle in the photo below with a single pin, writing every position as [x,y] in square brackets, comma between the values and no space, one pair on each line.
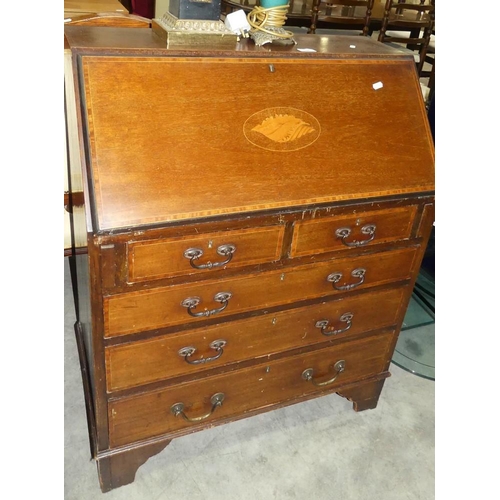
[344,232]
[192,302]
[334,278]
[323,325]
[307,374]
[195,253]
[178,408]
[187,352]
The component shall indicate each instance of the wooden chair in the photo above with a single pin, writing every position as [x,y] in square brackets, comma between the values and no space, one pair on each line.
[353,14]
[430,59]
[410,24]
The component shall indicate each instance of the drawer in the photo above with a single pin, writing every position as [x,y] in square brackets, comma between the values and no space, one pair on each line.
[164,258]
[150,414]
[169,306]
[352,231]
[172,355]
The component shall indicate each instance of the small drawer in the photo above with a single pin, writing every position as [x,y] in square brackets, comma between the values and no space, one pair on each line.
[194,302]
[358,230]
[164,258]
[174,355]
[196,404]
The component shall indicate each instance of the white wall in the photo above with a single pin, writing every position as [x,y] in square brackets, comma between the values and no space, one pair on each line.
[161,7]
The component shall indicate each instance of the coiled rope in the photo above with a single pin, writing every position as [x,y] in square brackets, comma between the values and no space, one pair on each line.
[273,18]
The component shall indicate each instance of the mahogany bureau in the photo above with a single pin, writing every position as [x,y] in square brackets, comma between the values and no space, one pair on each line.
[255,219]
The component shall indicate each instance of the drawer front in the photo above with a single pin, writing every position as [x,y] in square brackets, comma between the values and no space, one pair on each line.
[352,231]
[169,306]
[140,417]
[149,260]
[171,355]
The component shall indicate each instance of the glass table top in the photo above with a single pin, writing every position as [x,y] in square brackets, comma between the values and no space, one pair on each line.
[415,349]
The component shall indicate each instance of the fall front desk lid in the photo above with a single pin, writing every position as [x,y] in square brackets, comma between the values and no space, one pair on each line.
[173,138]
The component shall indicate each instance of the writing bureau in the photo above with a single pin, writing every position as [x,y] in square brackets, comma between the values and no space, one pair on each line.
[255,219]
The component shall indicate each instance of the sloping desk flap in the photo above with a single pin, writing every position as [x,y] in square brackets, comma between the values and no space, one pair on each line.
[174,138]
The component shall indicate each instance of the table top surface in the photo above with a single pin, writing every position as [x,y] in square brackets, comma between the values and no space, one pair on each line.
[92,6]
[145,41]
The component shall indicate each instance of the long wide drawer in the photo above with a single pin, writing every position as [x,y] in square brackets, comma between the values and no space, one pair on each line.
[193,302]
[156,413]
[138,363]
[164,258]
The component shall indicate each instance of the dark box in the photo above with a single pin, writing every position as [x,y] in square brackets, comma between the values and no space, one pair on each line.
[189,9]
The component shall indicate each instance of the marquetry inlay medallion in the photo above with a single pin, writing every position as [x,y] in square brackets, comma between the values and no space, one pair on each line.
[282,129]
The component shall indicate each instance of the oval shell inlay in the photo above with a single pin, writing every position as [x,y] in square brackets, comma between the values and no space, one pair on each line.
[282,129]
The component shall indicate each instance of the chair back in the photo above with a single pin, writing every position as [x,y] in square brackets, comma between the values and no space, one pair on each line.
[346,14]
[410,24]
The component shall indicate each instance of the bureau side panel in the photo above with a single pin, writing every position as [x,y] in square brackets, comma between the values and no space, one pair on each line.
[88,329]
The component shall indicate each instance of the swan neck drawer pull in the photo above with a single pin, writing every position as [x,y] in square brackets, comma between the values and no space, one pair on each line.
[307,374]
[178,408]
[334,278]
[195,253]
[323,325]
[344,232]
[187,352]
[191,302]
